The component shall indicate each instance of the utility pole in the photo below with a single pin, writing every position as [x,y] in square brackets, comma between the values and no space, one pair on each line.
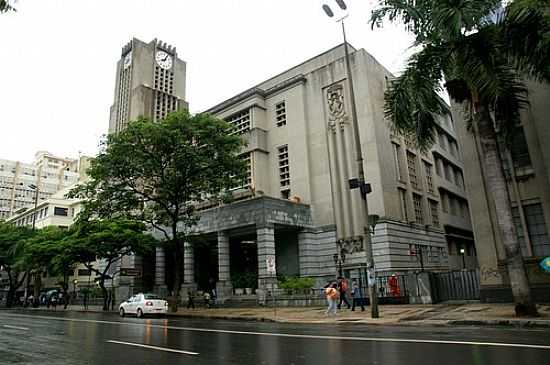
[360,181]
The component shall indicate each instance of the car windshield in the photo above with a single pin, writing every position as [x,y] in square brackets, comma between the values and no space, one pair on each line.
[151,296]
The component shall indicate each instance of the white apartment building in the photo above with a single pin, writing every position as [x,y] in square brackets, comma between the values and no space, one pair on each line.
[57,211]
[20,182]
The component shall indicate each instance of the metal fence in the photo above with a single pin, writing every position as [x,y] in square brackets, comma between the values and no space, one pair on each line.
[456,285]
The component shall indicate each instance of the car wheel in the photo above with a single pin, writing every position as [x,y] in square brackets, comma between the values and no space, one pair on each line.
[139,313]
[121,312]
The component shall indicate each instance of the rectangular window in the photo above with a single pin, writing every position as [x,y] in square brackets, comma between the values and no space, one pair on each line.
[284,168]
[84,272]
[442,141]
[418,211]
[411,163]
[240,122]
[444,202]
[434,211]
[396,159]
[437,166]
[534,216]
[403,203]
[60,211]
[247,182]
[520,151]
[429,177]
[280,114]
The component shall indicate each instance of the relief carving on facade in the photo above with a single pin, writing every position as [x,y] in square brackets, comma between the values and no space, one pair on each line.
[351,245]
[336,107]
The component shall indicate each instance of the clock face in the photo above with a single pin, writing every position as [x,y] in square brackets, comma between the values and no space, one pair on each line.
[128,60]
[164,60]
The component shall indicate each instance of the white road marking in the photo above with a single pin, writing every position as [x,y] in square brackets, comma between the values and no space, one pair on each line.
[15,327]
[290,335]
[154,347]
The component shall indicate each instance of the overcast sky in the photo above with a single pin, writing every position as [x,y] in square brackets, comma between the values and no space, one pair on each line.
[58,57]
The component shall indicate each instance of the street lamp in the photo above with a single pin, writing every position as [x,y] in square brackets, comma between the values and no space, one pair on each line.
[36,190]
[462,253]
[339,260]
[360,181]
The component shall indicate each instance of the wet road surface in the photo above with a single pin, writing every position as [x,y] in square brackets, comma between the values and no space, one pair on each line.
[88,338]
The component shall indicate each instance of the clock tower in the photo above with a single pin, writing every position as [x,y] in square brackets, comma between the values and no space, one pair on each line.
[150,82]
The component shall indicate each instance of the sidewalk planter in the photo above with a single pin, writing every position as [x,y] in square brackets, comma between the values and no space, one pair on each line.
[239,291]
[249,291]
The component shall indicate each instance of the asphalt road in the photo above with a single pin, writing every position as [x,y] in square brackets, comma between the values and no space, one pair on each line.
[81,338]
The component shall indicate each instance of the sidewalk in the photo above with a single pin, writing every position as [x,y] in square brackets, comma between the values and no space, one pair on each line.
[475,314]
[440,314]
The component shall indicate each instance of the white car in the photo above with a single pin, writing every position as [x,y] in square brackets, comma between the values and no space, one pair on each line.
[142,304]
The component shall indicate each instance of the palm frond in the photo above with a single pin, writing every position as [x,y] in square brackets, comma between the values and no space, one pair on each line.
[412,103]
[526,32]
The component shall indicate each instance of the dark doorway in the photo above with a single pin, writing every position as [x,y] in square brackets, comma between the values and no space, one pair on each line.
[206,264]
[244,261]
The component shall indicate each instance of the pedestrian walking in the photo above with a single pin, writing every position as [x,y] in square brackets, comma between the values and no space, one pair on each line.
[190,300]
[343,289]
[332,295]
[357,296]
[207,299]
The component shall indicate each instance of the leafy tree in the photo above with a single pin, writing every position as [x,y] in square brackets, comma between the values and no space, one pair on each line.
[107,240]
[483,62]
[12,241]
[156,172]
[38,253]
[6,5]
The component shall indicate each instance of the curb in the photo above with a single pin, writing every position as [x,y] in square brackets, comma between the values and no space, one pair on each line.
[501,322]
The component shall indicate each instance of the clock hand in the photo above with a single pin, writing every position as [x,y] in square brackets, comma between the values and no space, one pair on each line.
[165,58]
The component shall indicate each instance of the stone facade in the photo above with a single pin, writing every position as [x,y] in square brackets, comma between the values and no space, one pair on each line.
[531,167]
[296,205]
[147,85]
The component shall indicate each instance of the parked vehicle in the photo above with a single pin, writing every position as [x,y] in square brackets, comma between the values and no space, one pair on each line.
[142,304]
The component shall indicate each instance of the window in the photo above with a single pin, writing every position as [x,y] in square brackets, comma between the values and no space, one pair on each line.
[284,169]
[429,178]
[520,152]
[437,166]
[411,163]
[459,178]
[280,114]
[397,164]
[442,140]
[418,212]
[247,182]
[60,211]
[403,202]
[534,216]
[240,122]
[84,272]
[434,211]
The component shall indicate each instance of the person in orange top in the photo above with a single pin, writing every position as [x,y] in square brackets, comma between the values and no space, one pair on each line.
[331,292]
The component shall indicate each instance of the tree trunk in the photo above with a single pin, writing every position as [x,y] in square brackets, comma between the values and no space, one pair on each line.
[178,280]
[104,291]
[37,288]
[499,189]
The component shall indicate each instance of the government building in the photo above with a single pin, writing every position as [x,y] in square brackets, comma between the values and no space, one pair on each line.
[295,210]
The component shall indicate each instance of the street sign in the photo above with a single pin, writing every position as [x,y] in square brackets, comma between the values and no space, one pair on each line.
[130,271]
[270,264]
[545,264]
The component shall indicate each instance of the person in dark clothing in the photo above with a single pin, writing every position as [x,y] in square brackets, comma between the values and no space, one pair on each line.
[357,296]
[343,289]
[190,300]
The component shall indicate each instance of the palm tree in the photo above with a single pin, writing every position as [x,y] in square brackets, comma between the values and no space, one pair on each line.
[6,6]
[482,52]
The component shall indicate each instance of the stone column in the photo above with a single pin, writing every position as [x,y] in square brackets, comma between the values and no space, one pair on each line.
[188,264]
[188,284]
[160,272]
[265,238]
[224,287]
